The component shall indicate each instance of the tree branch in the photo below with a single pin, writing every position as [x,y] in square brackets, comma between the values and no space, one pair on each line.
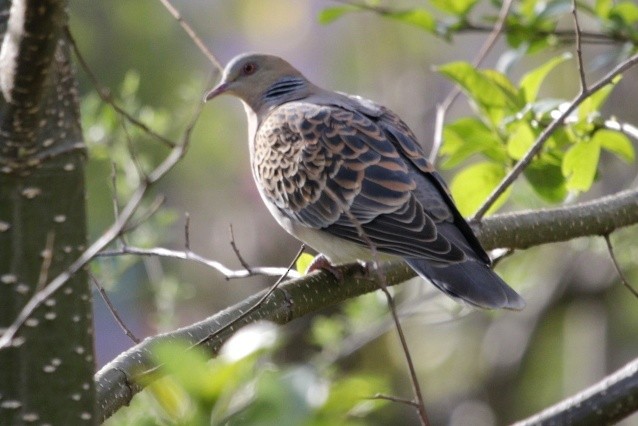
[119,381]
[607,402]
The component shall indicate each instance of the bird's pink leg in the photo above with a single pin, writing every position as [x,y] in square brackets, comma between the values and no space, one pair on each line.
[321,262]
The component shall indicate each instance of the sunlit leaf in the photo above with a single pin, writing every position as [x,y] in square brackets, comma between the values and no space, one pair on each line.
[468,136]
[531,81]
[615,142]
[331,14]
[627,11]
[455,7]
[603,7]
[348,393]
[580,164]
[188,366]
[592,104]
[471,187]
[420,18]
[487,90]
[192,369]
[303,262]
[170,397]
[521,140]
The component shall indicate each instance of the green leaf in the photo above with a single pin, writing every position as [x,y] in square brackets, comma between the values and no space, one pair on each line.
[531,81]
[303,262]
[420,18]
[580,164]
[592,104]
[327,331]
[603,7]
[331,14]
[627,11]
[468,136]
[615,142]
[474,184]
[547,180]
[490,90]
[454,7]
[521,140]
[349,392]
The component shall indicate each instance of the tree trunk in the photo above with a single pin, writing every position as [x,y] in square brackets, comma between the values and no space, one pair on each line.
[46,374]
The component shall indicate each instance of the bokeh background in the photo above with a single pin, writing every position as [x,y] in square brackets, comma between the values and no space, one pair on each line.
[479,369]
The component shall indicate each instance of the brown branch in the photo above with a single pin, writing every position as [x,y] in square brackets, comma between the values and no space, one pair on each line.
[111,307]
[236,250]
[191,33]
[525,229]
[623,279]
[394,399]
[258,304]
[579,49]
[118,381]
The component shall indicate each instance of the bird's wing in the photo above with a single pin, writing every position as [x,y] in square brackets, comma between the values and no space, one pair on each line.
[341,171]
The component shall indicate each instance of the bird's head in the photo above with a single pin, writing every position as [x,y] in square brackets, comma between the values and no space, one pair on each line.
[261,80]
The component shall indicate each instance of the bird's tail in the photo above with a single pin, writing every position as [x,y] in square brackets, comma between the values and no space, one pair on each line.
[472,282]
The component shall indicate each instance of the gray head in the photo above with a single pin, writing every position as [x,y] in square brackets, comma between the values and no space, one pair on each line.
[261,81]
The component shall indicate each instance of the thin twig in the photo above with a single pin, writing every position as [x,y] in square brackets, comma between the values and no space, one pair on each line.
[548,131]
[579,50]
[187,233]
[112,309]
[106,96]
[394,399]
[113,231]
[623,279]
[121,239]
[146,215]
[191,33]
[189,255]
[416,387]
[442,108]
[258,303]
[236,250]
[133,153]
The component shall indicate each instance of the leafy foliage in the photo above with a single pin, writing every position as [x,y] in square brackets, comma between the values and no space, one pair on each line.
[510,116]
[244,386]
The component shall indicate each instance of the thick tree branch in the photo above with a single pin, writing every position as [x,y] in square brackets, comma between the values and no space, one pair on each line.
[605,403]
[118,381]
[521,230]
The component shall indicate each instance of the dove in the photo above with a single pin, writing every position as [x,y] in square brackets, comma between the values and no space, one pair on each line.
[345,176]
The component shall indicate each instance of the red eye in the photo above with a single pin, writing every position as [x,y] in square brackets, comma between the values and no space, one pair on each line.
[249,68]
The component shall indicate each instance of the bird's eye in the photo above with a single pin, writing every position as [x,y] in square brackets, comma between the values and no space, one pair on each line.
[249,68]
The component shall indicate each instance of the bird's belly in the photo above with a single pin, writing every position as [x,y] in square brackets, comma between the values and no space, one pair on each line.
[337,250]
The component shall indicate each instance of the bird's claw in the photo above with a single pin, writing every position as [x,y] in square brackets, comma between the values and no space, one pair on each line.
[321,262]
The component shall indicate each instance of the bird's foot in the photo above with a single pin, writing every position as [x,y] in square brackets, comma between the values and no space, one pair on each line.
[321,262]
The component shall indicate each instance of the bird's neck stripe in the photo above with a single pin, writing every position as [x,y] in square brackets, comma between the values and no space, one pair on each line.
[284,86]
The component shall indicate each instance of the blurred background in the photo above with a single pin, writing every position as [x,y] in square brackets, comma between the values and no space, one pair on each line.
[478,369]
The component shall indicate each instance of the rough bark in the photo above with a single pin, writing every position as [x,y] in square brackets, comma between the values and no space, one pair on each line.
[46,374]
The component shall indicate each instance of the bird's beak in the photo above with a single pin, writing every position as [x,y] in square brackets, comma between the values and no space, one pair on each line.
[216,91]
